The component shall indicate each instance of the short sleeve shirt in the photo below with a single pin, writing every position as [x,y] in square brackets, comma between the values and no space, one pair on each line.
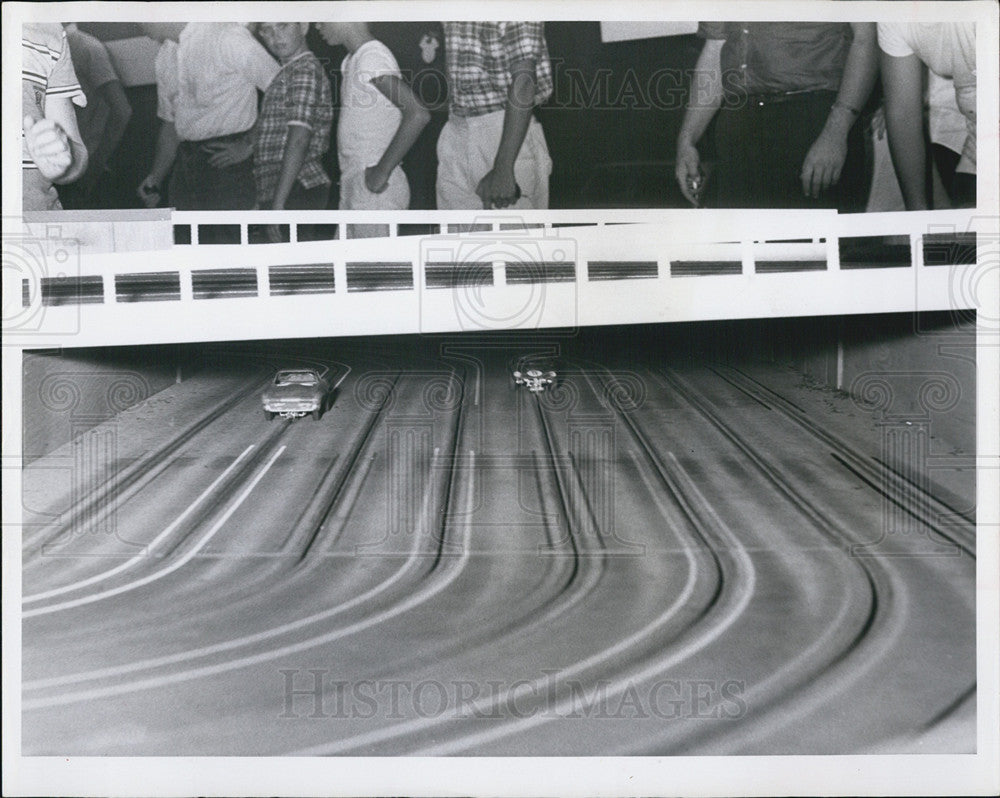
[781,57]
[479,56]
[949,50]
[299,95]
[46,72]
[220,67]
[368,119]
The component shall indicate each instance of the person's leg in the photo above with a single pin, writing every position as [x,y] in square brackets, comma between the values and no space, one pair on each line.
[455,150]
[946,161]
[230,188]
[963,190]
[355,196]
[789,129]
[734,181]
[532,169]
[855,182]
[786,133]
[182,192]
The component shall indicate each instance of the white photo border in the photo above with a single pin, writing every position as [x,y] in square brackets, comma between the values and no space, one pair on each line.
[595,776]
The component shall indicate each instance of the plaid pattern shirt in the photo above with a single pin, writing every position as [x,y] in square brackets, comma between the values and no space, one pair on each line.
[299,95]
[479,56]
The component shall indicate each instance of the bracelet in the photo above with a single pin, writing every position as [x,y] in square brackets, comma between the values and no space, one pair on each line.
[853,111]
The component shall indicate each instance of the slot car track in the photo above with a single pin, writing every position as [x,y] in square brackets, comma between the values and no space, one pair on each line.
[644,558]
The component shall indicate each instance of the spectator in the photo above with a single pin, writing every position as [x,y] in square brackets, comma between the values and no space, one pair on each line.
[153,189]
[419,51]
[791,94]
[102,121]
[492,151]
[380,119]
[293,131]
[207,98]
[53,150]
[948,49]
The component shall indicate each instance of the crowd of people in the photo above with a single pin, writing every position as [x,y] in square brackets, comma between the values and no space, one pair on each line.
[247,116]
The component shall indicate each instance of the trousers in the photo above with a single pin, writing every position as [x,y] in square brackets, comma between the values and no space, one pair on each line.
[466,150]
[762,144]
[196,185]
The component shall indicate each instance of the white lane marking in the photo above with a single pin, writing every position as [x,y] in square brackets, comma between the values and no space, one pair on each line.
[65,605]
[149,547]
[539,686]
[337,383]
[619,686]
[416,598]
[120,670]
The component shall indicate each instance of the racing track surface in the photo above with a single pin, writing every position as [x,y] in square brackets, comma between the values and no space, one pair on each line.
[655,556]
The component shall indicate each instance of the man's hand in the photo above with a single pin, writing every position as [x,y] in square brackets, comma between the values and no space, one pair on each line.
[49,147]
[825,159]
[375,181]
[149,192]
[230,153]
[498,189]
[689,174]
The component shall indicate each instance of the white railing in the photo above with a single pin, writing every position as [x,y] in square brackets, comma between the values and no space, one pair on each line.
[754,250]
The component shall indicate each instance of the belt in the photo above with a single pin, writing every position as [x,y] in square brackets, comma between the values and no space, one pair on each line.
[776,98]
[471,117]
[218,139]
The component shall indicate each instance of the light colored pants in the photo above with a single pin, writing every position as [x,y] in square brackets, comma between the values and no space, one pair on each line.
[466,150]
[355,196]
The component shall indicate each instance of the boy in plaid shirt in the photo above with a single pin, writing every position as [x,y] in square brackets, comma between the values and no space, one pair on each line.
[293,130]
[492,152]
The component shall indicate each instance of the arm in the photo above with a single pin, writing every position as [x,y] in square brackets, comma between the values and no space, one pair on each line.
[54,142]
[415,119]
[166,151]
[118,116]
[822,164]
[706,97]
[296,149]
[902,81]
[498,188]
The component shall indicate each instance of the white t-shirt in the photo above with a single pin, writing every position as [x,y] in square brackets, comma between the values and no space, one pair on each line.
[218,68]
[368,119]
[947,125]
[949,50]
